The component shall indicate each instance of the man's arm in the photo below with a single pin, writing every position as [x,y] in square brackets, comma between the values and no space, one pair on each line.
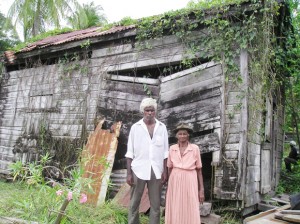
[129,178]
[164,176]
[129,158]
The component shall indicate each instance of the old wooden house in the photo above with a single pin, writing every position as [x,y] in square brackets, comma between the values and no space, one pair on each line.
[55,90]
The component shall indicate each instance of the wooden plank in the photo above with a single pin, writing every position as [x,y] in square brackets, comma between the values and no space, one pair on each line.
[190,97]
[232,138]
[232,147]
[166,41]
[231,155]
[232,128]
[128,87]
[148,81]
[243,171]
[147,63]
[197,69]
[253,174]
[292,218]
[253,159]
[234,98]
[112,50]
[254,148]
[11,220]
[194,87]
[120,95]
[232,119]
[207,143]
[252,199]
[198,107]
[251,188]
[119,104]
[292,212]
[111,62]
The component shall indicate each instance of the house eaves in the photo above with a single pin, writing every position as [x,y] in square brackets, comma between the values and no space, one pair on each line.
[61,39]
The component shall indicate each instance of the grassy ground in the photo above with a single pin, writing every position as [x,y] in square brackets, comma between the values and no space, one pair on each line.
[36,204]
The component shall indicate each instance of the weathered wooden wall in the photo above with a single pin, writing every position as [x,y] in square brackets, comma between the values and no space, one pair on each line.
[65,103]
[252,140]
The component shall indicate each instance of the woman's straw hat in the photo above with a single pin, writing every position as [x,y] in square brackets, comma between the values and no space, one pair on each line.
[183,126]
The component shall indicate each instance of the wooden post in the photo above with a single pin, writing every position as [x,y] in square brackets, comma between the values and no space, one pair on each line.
[62,211]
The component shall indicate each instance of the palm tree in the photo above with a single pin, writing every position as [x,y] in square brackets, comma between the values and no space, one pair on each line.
[90,15]
[8,36]
[35,16]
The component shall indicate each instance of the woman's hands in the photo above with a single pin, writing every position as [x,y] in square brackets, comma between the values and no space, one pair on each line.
[201,196]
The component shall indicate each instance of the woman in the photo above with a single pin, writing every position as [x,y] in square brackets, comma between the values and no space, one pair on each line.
[185,186]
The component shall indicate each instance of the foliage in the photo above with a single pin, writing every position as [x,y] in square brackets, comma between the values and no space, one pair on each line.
[57,193]
[228,211]
[8,36]
[88,16]
[33,173]
[289,182]
[292,69]
[40,203]
[35,16]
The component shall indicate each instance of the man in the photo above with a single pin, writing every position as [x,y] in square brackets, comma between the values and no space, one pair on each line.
[147,152]
[292,158]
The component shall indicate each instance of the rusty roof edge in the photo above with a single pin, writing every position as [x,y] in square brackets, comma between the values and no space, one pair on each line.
[73,44]
[77,35]
[94,37]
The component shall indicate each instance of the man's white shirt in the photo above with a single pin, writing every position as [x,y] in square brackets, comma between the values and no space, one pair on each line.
[147,152]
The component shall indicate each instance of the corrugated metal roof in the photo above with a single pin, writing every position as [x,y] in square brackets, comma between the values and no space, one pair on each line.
[99,156]
[65,38]
[74,36]
[9,57]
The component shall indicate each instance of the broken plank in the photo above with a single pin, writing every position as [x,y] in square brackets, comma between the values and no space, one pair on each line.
[291,212]
[292,218]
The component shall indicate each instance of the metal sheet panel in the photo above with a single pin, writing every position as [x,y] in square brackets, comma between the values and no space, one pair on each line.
[98,157]
[123,198]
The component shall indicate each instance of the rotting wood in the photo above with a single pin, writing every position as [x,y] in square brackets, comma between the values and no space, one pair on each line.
[292,212]
[266,217]
[128,87]
[292,218]
[99,155]
[148,81]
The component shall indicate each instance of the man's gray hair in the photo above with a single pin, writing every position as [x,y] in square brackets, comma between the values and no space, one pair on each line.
[148,102]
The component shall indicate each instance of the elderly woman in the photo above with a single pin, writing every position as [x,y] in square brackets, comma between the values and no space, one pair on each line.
[185,186]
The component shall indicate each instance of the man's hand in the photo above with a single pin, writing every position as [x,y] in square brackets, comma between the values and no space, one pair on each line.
[129,179]
[164,177]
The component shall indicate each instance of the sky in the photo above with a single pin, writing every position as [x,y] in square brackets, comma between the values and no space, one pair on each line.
[115,10]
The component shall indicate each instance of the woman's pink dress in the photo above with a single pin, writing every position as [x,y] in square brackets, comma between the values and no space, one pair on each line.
[182,202]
